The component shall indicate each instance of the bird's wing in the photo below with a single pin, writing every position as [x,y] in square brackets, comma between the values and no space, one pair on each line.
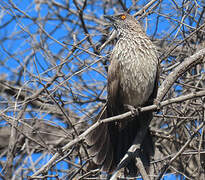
[114,103]
[102,139]
[156,85]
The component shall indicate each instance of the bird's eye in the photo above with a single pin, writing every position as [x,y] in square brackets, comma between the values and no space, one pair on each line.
[123,17]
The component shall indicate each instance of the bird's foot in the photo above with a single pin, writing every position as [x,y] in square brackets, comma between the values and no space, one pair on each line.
[134,110]
[157,103]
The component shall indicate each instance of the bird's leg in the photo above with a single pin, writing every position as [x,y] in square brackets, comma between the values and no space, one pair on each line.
[134,110]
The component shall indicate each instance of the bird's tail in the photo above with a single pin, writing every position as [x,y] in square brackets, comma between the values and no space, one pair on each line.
[100,146]
[109,142]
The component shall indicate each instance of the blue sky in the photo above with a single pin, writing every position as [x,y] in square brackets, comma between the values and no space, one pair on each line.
[27,43]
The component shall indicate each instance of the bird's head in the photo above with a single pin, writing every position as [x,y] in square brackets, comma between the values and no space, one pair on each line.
[123,22]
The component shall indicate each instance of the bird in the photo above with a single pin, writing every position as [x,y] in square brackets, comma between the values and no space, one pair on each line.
[131,84]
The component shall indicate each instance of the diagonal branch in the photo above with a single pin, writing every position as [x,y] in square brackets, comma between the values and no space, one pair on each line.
[81,137]
[178,71]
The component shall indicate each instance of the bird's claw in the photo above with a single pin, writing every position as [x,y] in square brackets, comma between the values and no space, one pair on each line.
[158,104]
[134,110]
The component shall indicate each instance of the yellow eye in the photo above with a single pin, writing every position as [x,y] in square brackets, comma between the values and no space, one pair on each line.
[123,17]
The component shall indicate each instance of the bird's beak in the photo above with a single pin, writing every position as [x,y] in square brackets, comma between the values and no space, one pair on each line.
[110,18]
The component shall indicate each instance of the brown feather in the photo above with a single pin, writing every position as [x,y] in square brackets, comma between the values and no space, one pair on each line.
[132,80]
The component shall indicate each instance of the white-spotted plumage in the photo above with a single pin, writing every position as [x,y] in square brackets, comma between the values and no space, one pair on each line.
[133,67]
